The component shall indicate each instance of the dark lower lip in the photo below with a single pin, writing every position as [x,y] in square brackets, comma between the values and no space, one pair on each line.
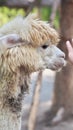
[57,66]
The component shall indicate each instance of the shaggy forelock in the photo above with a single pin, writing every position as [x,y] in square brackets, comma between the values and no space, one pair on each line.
[32,30]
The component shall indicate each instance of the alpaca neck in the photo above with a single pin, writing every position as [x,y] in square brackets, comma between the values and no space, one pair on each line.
[9,120]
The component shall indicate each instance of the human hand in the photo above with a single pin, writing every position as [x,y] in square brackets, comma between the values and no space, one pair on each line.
[70,50]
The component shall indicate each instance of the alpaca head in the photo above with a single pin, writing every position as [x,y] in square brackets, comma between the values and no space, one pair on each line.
[32,44]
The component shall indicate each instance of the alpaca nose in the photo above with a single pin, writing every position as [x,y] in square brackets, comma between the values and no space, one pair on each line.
[62,55]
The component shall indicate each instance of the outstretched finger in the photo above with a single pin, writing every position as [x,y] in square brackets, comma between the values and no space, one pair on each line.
[69,47]
[72,41]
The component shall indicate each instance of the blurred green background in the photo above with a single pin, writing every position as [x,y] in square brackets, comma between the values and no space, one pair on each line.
[6,14]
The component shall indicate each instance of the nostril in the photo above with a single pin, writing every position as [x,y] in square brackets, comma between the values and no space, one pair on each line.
[62,55]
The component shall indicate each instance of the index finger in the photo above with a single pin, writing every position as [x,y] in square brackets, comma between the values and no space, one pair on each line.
[69,47]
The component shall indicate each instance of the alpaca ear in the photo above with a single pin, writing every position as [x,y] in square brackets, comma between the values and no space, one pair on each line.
[10,40]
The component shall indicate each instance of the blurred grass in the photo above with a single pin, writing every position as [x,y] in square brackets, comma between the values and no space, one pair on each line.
[6,14]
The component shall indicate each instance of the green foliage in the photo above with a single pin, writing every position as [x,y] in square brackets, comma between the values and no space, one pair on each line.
[45,14]
[35,10]
[6,14]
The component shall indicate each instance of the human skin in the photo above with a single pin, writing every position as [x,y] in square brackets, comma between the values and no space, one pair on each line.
[70,50]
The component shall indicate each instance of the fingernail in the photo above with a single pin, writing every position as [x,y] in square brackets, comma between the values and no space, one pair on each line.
[68,42]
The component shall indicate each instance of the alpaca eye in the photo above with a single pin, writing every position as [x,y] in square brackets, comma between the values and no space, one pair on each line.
[44,46]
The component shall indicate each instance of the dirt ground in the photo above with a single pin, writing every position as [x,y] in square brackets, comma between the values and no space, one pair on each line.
[66,125]
[45,101]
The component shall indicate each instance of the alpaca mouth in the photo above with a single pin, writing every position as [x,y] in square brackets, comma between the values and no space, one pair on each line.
[58,66]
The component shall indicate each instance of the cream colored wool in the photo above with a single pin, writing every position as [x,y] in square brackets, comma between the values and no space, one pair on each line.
[18,61]
[33,30]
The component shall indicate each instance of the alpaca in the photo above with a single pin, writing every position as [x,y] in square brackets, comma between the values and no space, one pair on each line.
[26,45]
